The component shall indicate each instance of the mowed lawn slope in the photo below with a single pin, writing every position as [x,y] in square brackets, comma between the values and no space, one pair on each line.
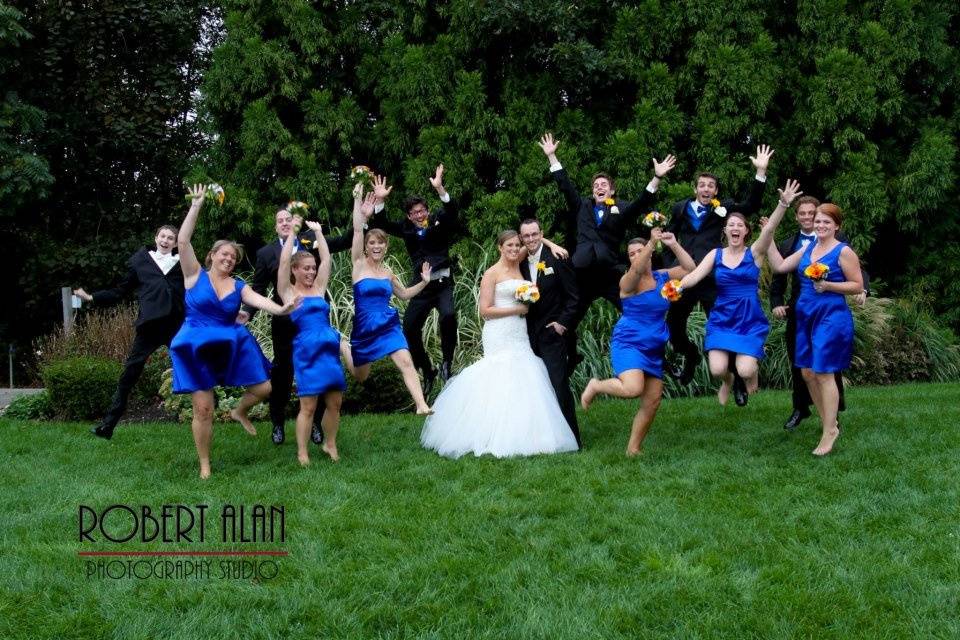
[726,527]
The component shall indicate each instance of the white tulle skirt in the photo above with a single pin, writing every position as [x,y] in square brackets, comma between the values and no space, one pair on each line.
[502,405]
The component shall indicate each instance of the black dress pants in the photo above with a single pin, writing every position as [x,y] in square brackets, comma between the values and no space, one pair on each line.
[551,347]
[436,295]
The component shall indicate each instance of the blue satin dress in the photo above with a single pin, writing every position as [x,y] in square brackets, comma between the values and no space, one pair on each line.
[316,349]
[211,349]
[824,321]
[640,336]
[737,323]
[376,325]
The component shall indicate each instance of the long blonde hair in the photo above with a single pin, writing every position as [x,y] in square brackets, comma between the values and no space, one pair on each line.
[219,244]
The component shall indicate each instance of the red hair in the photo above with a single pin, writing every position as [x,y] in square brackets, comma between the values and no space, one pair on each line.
[832,210]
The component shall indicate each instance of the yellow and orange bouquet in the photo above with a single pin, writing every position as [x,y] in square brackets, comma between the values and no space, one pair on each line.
[816,271]
[527,293]
[655,219]
[671,290]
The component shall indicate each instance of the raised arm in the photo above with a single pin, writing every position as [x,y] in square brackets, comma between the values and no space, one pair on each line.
[751,202]
[787,195]
[549,147]
[642,205]
[114,295]
[326,260]
[779,264]
[449,212]
[405,293]
[379,220]
[257,301]
[188,258]
[639,265]
[284,288]
[685,263]
[702,271]
[356,247]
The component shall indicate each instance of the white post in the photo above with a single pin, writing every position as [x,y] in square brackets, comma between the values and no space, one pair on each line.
[66,297]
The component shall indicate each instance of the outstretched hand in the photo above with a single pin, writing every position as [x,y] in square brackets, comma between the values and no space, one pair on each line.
[315,227]
[425,272]
[548,144]
[380,188]
[197,194]
[662,168]
[83,295]
[437,180]
[789,192]
[369,202]
[762,160]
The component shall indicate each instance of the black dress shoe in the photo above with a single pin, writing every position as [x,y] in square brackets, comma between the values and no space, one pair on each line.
[316,435]
[795,419]
[102,431]
[690,363]
[446,368]
[740,395]
[278,434]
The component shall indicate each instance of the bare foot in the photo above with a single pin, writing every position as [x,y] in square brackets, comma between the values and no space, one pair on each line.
[424,411]
[826,442]
[634,452]
[331,451]
[586,398]
[204,470]
[724,393]
[303,459]
[243,420]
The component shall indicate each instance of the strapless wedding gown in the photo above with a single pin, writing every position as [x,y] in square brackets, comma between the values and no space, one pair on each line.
[503,404]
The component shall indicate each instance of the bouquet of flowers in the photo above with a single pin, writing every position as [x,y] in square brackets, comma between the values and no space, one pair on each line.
[527,293]
[362,174]
[718,209]
[671,290]
[298,208]
[655,219]
[215,194]
[816,271]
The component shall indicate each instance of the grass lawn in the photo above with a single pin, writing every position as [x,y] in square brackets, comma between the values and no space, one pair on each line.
[726,527]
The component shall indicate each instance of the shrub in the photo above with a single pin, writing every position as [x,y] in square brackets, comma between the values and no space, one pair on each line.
[148,387]
[81,387]
[102,333]
[35,406]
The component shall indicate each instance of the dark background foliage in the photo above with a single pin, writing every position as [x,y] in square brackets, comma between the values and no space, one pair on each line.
[110,106]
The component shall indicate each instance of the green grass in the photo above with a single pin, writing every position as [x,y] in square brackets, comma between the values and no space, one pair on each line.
[726,527]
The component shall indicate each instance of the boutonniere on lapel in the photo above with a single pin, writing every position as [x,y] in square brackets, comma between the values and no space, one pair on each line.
[610,202]
[544,269]
[718,209]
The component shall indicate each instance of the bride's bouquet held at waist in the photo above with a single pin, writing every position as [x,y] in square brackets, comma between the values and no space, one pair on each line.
[527,293]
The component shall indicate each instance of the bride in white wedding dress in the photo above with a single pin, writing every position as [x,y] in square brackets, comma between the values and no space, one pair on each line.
[503,404]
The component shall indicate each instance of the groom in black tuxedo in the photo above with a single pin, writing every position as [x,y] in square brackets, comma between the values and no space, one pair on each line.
[156,277]
[552,316]
[282,329]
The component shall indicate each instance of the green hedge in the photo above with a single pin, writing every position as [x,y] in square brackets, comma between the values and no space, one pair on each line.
[81,388]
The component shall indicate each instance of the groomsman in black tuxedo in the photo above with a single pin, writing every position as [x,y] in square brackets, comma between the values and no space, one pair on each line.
[428,237]
[282,329]
[698,224]
[552,316]
[806,209]
[600,223]
[156,277]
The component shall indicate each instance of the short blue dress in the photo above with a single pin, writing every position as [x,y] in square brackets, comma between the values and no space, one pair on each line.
[824,321]
[640,336]
[737,323]
[316,349]
[211,349]
[376,325]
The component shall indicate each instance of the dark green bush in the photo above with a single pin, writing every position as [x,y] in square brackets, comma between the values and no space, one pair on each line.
[35,406]
[81,387]
[382,392]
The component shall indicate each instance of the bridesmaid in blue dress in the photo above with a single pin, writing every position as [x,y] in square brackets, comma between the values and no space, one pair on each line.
[211,348]
[377,332]
[737,326]
[824,322]
[316,345]
[640,336]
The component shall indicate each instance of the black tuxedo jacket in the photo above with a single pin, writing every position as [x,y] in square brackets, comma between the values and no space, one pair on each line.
[159,295]
[778,287]
[598,246]
[698,243]
[268,261]
[558,294]
[433,244]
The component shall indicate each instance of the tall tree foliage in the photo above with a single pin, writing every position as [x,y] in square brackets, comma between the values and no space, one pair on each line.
[111,86]
[859,99]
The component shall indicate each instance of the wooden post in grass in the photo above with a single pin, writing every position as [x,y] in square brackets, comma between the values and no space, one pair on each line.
[66,298]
